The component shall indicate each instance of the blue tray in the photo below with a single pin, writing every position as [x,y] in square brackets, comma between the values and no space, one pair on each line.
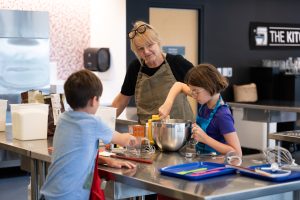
[214,169]
[293,176]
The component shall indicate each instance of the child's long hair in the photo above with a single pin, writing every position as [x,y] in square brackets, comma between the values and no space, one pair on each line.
[208,77]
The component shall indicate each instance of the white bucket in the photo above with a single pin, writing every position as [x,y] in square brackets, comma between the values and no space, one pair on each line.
[108,116]
[3,108]
[29,121]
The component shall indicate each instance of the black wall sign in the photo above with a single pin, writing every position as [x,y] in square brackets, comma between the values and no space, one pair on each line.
[274,36]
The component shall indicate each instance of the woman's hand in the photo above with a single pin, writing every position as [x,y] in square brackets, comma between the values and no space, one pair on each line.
[197,133]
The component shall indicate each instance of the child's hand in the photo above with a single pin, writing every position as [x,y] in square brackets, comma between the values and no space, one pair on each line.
[197,133]
[164,110]
[120,163]
[129,139]
[116,163]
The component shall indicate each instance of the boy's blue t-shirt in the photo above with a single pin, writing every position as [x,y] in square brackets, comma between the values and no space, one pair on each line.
[75,146]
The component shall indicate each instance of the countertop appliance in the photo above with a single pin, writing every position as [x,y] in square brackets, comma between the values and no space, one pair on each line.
[24,59]
[24,50]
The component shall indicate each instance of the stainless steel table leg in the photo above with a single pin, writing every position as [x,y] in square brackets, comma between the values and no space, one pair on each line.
[34,179]
[296,195]
[41,173]
[278,143]
[268,127]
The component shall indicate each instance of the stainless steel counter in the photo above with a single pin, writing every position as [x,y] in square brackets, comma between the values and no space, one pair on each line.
[224,187]
[288,136]
[127,117]
[34,150]
[285,106]
[30,148]
[269,112]
[20,147]
[147,176]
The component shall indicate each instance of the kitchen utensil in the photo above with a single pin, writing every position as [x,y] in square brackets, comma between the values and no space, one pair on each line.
[232,158]
[191,171]
[141,148]
[259,171]
[171,134]
[212,154]
[146,147]
[202,171]
[274,167]
[123,156]
[282,157]
[291,167]
[189,149]
[210,171]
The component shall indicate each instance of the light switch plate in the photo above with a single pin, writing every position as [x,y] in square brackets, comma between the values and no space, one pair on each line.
[225,71]
[229,71]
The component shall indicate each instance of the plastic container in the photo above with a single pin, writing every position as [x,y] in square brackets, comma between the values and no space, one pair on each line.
[29,121]
[137,130]
[3,108]
[108,115]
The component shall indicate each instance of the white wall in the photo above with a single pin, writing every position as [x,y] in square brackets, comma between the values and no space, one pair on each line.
[108,29]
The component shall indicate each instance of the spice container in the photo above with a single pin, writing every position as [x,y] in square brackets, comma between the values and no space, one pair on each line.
[137,130]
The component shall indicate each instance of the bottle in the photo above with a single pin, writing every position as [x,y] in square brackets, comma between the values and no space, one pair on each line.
[150,137]
[150,132]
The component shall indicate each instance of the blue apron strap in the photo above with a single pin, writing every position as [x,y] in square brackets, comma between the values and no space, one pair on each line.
[201,147]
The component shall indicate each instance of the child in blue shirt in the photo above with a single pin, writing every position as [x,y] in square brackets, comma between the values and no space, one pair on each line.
[214,128]
[76,141]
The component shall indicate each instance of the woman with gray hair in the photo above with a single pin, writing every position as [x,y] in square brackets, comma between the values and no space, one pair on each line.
[150,76]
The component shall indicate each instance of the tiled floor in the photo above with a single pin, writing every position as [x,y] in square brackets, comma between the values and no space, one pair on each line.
[13,184]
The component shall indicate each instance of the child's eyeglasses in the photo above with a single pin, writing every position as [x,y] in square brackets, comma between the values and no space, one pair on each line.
[195,93]
[141,29]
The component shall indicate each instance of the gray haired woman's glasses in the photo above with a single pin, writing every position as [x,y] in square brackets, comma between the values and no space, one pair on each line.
[140,29]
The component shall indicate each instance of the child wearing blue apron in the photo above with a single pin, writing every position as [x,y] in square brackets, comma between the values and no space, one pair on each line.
[214,128]
[204,122]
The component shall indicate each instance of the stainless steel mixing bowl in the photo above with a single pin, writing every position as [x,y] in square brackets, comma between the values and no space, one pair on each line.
[172,134]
